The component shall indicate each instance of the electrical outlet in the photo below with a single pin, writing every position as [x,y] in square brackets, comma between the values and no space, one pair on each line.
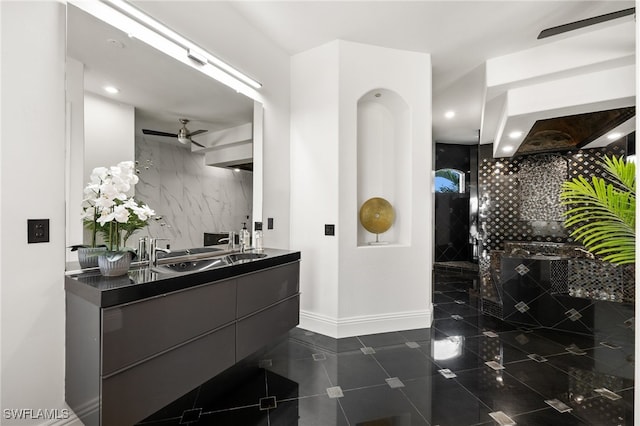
[329,229]
[37,231]
[270,223]
[258,226]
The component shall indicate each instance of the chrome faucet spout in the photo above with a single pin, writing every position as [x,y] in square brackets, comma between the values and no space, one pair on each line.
[153,255]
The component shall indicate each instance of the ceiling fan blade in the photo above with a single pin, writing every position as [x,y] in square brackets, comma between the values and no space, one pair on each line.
[585,23]
[197,132]
[158,133]
[199,144]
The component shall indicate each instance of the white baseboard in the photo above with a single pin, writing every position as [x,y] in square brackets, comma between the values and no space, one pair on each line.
[365,324]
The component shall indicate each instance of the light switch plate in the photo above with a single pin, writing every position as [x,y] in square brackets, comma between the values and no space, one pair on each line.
[329,229]
[37,231]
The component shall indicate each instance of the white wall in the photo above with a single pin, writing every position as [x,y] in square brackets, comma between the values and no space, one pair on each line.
[386,288]
[109,133]
[314,190]
[32,182]
[346,289]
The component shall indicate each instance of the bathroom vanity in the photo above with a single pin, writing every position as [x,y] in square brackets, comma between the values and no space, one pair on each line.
[138,342]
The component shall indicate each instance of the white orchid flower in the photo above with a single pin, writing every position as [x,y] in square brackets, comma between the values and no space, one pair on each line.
[111,191]
[88,213]
[98,174]
[92,189]
[105,217]
[144,212]
[121,214]
[106,195]
[104,203]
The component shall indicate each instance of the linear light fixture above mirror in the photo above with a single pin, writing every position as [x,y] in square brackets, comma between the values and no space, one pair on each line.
[136,23]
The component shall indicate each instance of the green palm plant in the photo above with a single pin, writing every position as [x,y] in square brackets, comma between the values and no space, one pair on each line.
[601,211]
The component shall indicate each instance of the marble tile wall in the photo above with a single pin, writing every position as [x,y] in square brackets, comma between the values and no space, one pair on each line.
[190,197]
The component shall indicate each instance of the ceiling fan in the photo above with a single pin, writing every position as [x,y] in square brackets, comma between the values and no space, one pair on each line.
[585,22]
[183,135]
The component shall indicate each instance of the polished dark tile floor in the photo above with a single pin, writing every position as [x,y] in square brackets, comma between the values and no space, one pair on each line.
[395,379]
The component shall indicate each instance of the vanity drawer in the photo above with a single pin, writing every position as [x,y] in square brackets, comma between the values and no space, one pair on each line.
[264,288]
[138,330]
[133,394]
[255,331]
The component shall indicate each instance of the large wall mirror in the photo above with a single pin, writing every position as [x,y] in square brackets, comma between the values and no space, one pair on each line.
[206,185]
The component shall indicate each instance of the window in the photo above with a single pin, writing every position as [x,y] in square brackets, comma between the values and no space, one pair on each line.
[449,180]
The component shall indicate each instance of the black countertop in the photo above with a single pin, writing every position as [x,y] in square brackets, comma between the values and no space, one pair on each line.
[142,282]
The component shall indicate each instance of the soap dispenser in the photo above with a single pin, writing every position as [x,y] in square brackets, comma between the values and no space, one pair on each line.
[244,237]
[257,235]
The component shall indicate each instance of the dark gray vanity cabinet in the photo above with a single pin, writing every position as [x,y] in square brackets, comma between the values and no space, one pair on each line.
[126,361]
[136,331]
[268,309]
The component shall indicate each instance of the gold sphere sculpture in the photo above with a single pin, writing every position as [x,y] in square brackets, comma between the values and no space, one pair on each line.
[377,215]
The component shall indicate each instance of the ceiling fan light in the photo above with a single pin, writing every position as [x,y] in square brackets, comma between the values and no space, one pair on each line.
[183,137]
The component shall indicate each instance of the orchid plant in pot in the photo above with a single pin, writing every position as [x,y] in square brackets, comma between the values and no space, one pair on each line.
[109,211]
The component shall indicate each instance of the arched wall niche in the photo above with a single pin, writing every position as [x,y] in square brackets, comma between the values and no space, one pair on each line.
[384,161]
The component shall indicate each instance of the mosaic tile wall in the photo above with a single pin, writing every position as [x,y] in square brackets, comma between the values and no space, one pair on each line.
[540,202]
[519,202]
[503,216]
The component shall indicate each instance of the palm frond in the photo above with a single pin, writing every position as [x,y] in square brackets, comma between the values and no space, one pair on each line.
[601,212]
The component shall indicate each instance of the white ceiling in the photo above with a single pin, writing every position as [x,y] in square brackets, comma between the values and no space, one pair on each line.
[460,36]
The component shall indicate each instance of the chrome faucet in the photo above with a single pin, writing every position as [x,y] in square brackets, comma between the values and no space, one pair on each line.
[143,249]
[230,240]
[153,253]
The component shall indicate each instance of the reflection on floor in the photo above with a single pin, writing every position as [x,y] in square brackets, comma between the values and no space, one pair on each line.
[436,376]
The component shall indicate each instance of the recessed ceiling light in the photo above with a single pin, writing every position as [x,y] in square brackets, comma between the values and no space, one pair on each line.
[115,43]
[515,134]
[507,148]
[236,169]
[111,89]
[614,136]
[449,114]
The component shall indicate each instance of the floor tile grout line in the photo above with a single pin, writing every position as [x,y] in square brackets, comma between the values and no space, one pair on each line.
[364,387]
[344,413]
[195,401]
[327,374]
[472,394]
[524,384]
[154,421]
[361,342]
[380,365]
[414,406]
[266,388]
[301,397]
[230,409]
